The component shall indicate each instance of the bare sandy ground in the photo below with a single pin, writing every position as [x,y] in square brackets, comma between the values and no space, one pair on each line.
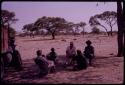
[104,46]
[106,69]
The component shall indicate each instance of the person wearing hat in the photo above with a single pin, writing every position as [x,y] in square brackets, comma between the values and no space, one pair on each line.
[89,51]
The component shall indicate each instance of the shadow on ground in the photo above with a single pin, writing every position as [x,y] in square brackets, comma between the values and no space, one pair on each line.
[30,70]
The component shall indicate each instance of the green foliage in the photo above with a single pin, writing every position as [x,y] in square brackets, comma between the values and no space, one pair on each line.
[12,32]
[51,24]
[28,27]
[7,17]
[95,30]
[109,17]
[82,24]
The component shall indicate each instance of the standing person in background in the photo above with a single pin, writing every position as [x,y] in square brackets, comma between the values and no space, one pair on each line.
[70,53]
[89,52]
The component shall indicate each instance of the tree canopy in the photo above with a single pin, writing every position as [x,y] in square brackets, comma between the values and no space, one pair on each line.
[109,17]
[8,17]
[51,24]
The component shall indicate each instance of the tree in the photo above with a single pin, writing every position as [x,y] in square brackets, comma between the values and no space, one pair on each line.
[12,32]
[69,27]
[52,24]
[82,24]
[124,39]
[94,22]
[95,30]
[110,18]
[29,28]
[8,17]
[120,29]
[76,30]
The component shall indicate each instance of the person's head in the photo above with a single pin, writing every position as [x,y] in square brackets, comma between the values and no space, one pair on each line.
[52,49]
[71,44]
[88,42]
[79,52]
[39,52]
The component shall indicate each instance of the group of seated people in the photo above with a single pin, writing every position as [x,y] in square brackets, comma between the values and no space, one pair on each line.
[74,58]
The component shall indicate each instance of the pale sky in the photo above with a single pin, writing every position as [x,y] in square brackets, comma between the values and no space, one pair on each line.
[29,12]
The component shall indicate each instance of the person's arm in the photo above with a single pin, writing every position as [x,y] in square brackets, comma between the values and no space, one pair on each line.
[55,54]
[48,56]
[74,51]
[92,51]
[67,51]
[45,60]
[85,50]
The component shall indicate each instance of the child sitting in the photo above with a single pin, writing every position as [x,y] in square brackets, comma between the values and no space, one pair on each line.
[52,55]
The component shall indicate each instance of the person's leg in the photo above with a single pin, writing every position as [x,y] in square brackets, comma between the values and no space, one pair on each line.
[90,61]
[52,69]
[67,60]
[75,67]
[43,72]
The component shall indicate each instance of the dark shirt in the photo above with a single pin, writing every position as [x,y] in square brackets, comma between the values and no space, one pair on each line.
[81,61]
[52,56]
[88,51]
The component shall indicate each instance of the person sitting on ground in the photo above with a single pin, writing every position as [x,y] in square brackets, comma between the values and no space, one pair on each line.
[80,60]
[70,53]
[16,57]
[89,51]
[41,61]
[52,55]
[46,66]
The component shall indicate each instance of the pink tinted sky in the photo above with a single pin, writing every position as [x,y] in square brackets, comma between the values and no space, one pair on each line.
[29,12]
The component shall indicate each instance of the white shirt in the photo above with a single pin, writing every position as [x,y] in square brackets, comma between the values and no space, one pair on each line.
[71,51]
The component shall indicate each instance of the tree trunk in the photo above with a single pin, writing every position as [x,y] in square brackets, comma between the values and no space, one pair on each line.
[105,29]
[124,32]
[53,36]
[124,44]
[83,32]
[120,29]
[111,30]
